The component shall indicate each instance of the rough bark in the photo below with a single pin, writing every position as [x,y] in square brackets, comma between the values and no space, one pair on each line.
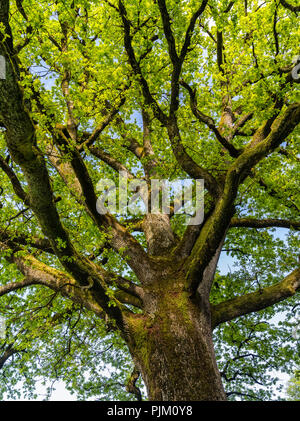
[171,344]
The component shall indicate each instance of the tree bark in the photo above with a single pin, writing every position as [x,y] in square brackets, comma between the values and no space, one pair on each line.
[171,345]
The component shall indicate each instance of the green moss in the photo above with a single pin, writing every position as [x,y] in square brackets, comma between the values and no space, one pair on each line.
[149,331]
[142,347]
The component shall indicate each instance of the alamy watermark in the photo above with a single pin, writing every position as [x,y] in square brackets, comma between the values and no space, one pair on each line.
[296,329]
[296,68]
[137,197]
[2,68]
[2,327]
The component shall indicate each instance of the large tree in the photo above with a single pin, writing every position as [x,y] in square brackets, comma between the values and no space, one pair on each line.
[158,90]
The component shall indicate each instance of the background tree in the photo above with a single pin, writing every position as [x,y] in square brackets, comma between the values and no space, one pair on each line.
[200,90]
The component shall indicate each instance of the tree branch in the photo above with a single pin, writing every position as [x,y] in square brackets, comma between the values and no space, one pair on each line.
[21,239]
[120,237]
[136,66]
[18,189]
[186,161]
[22,144]
[14,286]
[264,223]
[109,160]
[290,6]
[286,201]
[209,122]
[21,141]
[91,297]
[266,139]
[176,60]
[104,123]
[7,354]
[256,301]
[166,20]
[190,30]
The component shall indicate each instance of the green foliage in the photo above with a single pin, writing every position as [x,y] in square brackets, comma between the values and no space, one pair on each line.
[58,340]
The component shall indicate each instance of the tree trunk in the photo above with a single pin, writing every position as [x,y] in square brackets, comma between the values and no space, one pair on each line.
[171,344]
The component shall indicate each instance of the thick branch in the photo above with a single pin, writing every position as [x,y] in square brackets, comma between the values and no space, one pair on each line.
[38,273]
[14,286]
[266,139]
[264,223]
[18,189]
[256,301]
[66,172]
[290,6]
[7,354]
[20,239]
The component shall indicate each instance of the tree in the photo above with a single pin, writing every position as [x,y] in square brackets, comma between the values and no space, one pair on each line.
[155,90]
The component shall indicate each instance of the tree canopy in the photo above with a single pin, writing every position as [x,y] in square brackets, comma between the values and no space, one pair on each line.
[156,89]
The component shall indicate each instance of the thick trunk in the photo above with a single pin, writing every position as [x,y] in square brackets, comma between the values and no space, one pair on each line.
[172,347]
